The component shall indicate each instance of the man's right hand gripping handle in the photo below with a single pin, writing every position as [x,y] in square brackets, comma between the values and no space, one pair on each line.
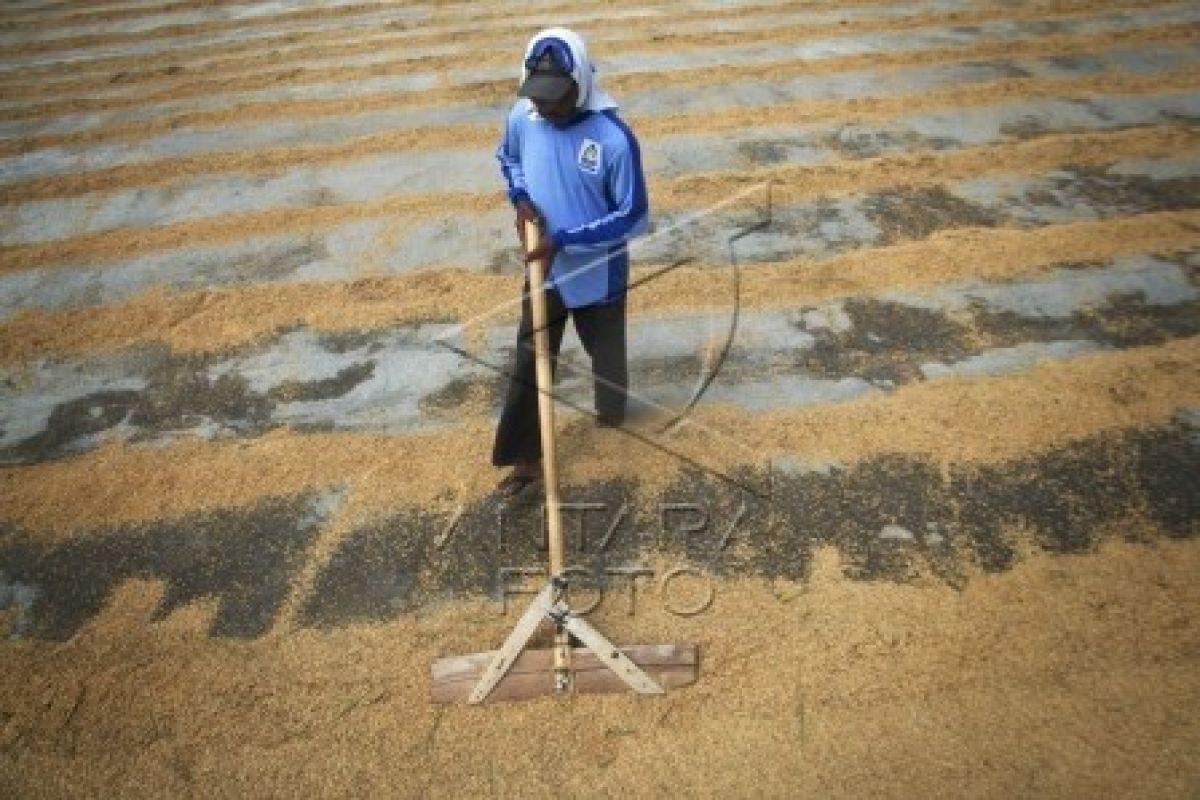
[526,211]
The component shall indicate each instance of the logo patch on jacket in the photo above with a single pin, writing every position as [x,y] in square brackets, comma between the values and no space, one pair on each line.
[589,156]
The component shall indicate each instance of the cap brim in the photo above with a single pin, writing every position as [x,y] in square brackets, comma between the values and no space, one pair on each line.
[546,86]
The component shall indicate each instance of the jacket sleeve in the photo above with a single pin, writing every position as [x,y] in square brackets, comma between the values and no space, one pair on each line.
[509,156]
[626,186]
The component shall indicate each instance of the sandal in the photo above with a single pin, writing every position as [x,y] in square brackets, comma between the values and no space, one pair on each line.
[513,484]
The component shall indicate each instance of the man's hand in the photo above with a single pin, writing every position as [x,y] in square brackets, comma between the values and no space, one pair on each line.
[526,212]
[546,249]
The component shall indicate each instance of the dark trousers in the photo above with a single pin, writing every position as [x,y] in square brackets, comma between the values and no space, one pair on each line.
[601,330]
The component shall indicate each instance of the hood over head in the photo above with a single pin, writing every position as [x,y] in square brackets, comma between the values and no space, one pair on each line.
[553,55]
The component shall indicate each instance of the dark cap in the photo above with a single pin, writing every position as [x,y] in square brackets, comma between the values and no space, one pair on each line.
[548,81]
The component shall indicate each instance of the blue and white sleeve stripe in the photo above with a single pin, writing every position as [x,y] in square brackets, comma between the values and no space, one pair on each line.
[509,156]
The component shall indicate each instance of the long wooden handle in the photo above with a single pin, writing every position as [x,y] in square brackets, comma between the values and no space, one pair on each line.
[545,386]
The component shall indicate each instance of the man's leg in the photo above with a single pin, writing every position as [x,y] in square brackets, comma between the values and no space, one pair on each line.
[518,439]
[602,332]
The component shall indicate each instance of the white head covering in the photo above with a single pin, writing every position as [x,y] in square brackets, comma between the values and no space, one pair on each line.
[591,96]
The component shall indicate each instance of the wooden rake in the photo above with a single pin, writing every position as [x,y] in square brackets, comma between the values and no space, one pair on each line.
[515,672]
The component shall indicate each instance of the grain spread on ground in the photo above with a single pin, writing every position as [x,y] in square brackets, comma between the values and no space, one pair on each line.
[257,283]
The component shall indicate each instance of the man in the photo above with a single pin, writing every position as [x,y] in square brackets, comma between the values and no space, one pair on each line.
[573,166]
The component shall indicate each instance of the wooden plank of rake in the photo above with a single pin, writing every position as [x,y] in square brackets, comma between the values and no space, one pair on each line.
[515,672]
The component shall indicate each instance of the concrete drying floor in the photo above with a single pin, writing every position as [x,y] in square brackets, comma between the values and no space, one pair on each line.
[936,512]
